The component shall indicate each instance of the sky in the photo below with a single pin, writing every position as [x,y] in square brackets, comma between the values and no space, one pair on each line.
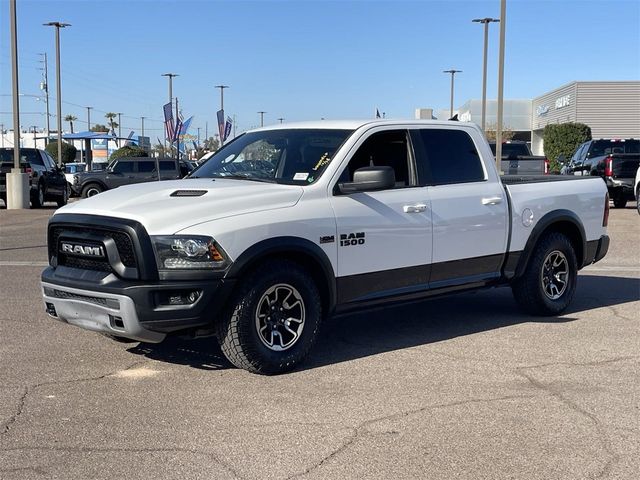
[304,60]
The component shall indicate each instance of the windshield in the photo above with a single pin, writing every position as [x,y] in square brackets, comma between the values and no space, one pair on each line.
[293,156]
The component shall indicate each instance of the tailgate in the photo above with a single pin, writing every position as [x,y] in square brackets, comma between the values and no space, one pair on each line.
[625,165]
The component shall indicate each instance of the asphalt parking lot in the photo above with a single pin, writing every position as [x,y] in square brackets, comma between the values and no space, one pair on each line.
[459,387]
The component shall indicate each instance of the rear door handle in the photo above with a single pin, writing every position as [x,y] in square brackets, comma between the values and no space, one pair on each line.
[417,208]
[492,200]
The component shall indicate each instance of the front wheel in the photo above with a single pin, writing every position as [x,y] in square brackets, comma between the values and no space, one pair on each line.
[272,321]
[64,198]
[549,281]
[91,190]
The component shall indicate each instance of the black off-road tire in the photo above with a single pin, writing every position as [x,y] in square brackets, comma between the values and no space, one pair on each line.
[64,198]
[238,335]
[638,200]
[619,201]
[37,199]
[91,189]
[529,289]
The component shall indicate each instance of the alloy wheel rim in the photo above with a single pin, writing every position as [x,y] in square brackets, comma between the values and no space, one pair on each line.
[554,275]
[92,192]
[280,317]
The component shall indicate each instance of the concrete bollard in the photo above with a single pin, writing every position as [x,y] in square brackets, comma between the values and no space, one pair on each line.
[17,189]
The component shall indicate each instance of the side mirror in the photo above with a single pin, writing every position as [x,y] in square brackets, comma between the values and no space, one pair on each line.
[369,179]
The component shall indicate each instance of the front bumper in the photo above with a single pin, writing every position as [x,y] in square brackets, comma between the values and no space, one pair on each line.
[102,302]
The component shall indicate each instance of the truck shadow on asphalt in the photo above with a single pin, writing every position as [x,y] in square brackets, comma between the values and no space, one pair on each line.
[359,335]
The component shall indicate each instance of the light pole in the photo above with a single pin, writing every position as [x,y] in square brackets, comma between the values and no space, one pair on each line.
[453,73]
[486,21]
[262,118]
[281,119]
[503,21]
[222,87]
[58,26]
[45,88]
[142,120]
[17,181]
[88,117]
[170,76]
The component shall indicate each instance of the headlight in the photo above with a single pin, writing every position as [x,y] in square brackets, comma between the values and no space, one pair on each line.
[76,179]
[188,252]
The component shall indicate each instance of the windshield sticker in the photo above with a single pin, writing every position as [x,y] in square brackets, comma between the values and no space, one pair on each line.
[300,176]
[324,159]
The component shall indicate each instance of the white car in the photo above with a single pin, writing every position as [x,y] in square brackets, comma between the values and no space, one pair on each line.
[288,224]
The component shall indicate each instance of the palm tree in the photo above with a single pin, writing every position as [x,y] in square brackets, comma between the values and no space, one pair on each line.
[70,119]
[111,118]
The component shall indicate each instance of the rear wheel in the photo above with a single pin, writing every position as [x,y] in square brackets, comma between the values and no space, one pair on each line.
[549,281]
[91,190]
[37,199]
[273,320]
[638,200]
[619,201]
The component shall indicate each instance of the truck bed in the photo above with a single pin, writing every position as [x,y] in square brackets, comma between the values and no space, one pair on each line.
[518,179]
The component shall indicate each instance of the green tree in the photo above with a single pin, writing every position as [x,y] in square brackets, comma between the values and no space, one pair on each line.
[128,151]
[68,151]
[70,119]
[99,128]
[562,139]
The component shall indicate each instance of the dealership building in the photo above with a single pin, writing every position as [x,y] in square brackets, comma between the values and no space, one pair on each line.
[611,109]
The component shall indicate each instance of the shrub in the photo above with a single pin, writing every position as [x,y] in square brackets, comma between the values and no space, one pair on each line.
[68,151]
[128,151]
[562,139]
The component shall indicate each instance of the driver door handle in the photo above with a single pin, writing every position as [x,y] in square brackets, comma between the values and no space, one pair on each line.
[492,200]
[417,208]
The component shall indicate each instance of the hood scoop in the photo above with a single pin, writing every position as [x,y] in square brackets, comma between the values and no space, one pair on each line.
[188,193]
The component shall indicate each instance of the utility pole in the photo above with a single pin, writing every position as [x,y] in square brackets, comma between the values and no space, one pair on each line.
[503,22]
[486,21]
[34,129]
[453,73]
[206,131]
[2,133]
[170,76]
[262,118]
[45,84]
[17,181]
[88,117]
[177,137]
[142,119]
[235,125]
[119,128]
[58,26]
[198,136]
[281,119]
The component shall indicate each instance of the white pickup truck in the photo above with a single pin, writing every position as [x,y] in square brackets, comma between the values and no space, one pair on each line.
[289,224]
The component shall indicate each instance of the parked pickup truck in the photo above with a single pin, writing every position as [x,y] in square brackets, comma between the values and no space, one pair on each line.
[614,160]
[287,225]
[127,171]
[518,160]
[46,179]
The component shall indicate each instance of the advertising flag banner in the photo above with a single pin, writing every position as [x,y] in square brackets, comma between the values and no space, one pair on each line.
[227,128]
[186,125]
[220,115]
[168,121]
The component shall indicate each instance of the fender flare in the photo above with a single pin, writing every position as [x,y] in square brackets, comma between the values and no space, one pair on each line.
[547,221]
[294,246]
[90,181]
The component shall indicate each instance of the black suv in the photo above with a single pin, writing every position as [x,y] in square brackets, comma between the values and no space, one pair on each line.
[46,179]
[127,171]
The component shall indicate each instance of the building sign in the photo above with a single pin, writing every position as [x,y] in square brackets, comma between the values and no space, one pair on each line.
[564,101]
[99,148]
[542,110]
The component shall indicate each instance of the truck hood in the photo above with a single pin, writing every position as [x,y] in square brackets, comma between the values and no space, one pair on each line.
[152,205]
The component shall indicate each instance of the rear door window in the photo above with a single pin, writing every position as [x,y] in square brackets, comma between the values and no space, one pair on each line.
[447,156]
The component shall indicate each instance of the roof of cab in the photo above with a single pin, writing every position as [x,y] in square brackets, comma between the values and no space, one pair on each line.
[352,124]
